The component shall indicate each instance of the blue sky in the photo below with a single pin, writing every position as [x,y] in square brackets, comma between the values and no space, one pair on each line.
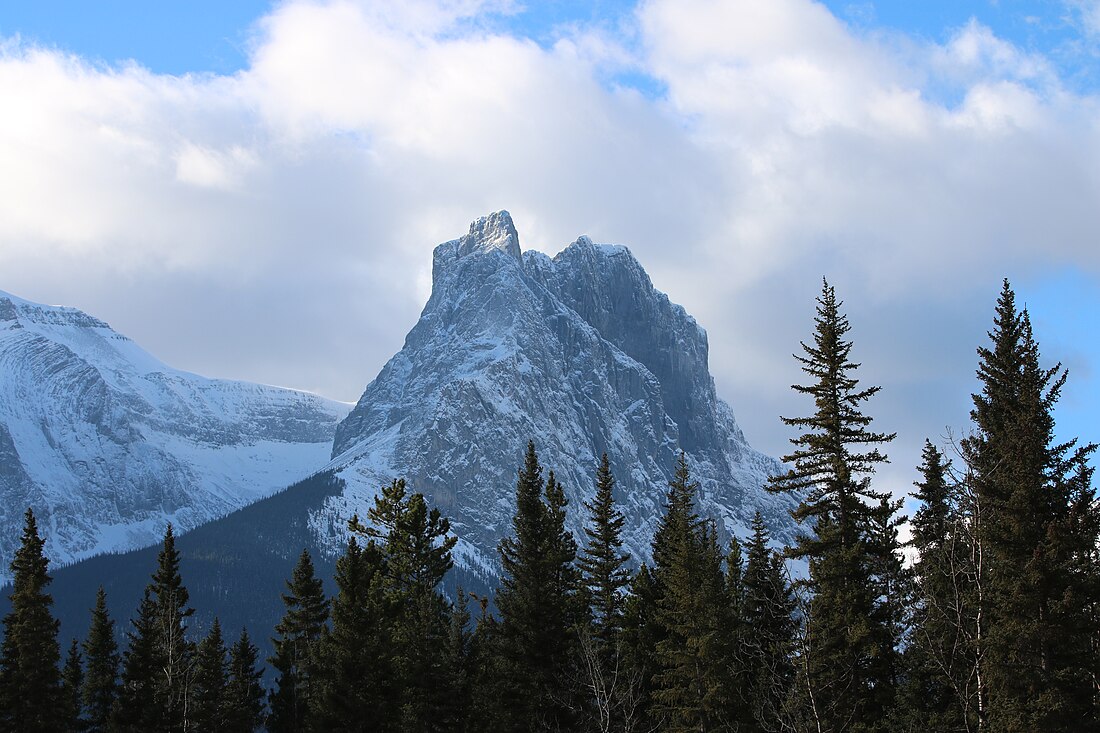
[914,152]
[176,37]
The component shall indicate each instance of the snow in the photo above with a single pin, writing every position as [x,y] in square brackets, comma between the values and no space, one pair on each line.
[108,444]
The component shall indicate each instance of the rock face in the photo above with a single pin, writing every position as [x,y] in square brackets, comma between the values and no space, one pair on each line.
[579,353]
[107,444]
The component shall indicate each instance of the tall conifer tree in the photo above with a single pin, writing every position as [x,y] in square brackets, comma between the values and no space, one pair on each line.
[72,679]
[30,681]
[691,687]
[940,658]
[297,634]
[208,690]
[157,666]
[768,644]
[348,692]
[243,701]
[417,545]
[136,709]
[101,679]
[1036,530]
[537,603]
[602,564]
[846,684]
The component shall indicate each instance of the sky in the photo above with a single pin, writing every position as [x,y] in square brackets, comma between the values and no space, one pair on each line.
[252,190]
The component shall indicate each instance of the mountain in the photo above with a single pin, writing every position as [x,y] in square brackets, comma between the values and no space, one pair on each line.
[107,444]
[579,353]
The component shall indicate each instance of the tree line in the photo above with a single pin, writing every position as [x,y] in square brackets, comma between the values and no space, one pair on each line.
[994,626]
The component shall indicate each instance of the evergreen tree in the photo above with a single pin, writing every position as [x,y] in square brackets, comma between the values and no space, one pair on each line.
[30,681]
[691,688]
[101,679]
[136,709]
[417,547]
[243,701]
[352,684]
[940,656]
[603,565]
[848,673]
[297,634]
[641,634]
[157,668]
[768,644]
[604,578]
[538,607]
[72,678]
[211,672]
[1037,532]
[457,656]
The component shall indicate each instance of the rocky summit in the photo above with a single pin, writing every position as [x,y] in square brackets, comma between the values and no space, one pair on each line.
[107,444]
[579,353]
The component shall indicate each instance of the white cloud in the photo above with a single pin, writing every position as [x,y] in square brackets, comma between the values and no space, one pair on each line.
[277,224]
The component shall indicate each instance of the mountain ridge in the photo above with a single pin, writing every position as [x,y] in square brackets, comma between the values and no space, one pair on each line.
[108,444]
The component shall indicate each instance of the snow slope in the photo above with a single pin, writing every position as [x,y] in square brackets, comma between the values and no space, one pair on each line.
[107,444]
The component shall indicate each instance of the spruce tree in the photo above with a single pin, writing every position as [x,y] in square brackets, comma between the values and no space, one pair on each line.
[537,600]
[72,678]
[1037,531]
[603,565]
[243,701]
[297,634]
[641,634]
[847,668]
[136,709]
[352,685]
[101,678]
[208,691]
[604,578]
[173,649]
[30,681]
[691,687]
[157,665]
[417,545]
[940,657]
[768,644]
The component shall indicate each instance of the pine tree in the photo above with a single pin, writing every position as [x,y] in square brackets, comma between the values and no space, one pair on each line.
[101,680]
[297,634]
[209,690]
[30,681]
[691,689]
[538,606]
[846,684]
[243,701]
[72,678]
[1036,531]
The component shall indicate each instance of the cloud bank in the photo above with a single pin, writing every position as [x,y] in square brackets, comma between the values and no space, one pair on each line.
[277,224]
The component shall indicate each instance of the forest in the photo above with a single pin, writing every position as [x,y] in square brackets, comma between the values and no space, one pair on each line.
[987,619]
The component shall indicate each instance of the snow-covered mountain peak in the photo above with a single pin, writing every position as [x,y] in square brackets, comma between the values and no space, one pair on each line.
[579,353]
[493,232]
